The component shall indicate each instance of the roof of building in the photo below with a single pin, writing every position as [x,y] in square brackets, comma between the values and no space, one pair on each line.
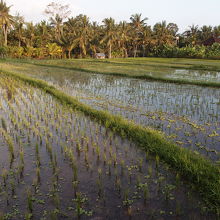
[100,54]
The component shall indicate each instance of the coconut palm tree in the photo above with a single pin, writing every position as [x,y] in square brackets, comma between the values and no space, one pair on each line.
[43,33]
[77,35]
[57,23]
[29,34]
[123,37]
[205,33]
[110,35]
[83,33]
[146,39]
[216,31]
[6,20]
[19,28]
[94,42]
[137,24]
[58,14]
[191,35]
[69,36]
[164,34]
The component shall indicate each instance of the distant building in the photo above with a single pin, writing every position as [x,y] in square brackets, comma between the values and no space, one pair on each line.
[100,56]
[211,41]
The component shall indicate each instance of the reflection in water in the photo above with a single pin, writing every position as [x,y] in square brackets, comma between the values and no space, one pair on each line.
[198,103]
[189,114]
[195,75]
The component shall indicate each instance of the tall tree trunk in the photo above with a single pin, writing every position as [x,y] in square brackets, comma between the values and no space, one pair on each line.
[69,54]
[110,51]
[125,53]
[5,30]
[143,54]
[19,37]
[135,50]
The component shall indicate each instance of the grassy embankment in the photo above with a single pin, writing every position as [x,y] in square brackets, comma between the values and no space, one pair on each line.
[156,69]
[198,171]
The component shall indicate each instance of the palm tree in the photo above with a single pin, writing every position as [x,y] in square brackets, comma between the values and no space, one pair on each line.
[216,31]
[29,34]
[164,34]
[43,33]
[58,13]
[57,22]
[18,28]
[77,35]
[123,37]
[83,33]
[5,20]
[146,39]
[137,24]
[110,35]
[94,42]
[69,36]
[191,34]
[205,33]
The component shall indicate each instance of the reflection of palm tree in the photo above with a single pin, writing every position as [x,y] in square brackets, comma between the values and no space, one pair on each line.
[110,35]
[137,24]
[5,20]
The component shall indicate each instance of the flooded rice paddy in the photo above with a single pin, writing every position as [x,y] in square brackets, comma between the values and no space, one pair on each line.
[189,115]
[58,164]
[202,75]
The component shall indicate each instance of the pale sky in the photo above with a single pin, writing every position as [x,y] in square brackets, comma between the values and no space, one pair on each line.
[183,13]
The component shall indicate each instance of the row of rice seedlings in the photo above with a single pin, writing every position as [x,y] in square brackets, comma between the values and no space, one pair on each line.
[113,92]
[144,92]
[84,145]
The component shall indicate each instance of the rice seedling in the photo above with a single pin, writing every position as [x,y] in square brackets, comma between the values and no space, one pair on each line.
[80,201]
[65,175]
[4,175]
[75,173]
[29,200]
[4,126]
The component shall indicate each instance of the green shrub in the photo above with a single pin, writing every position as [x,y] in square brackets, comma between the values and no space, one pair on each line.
[198,51]
[3,52]
[53,50]
[213,51]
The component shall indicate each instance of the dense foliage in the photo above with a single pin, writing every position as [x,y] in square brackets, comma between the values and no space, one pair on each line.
[63,36]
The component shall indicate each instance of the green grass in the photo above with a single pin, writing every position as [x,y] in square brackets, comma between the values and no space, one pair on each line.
[198,171]
[155,69]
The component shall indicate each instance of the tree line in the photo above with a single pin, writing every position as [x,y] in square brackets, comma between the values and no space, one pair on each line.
[67,37]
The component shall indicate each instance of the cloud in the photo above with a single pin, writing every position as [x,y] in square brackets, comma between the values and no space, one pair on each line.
[31,10]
